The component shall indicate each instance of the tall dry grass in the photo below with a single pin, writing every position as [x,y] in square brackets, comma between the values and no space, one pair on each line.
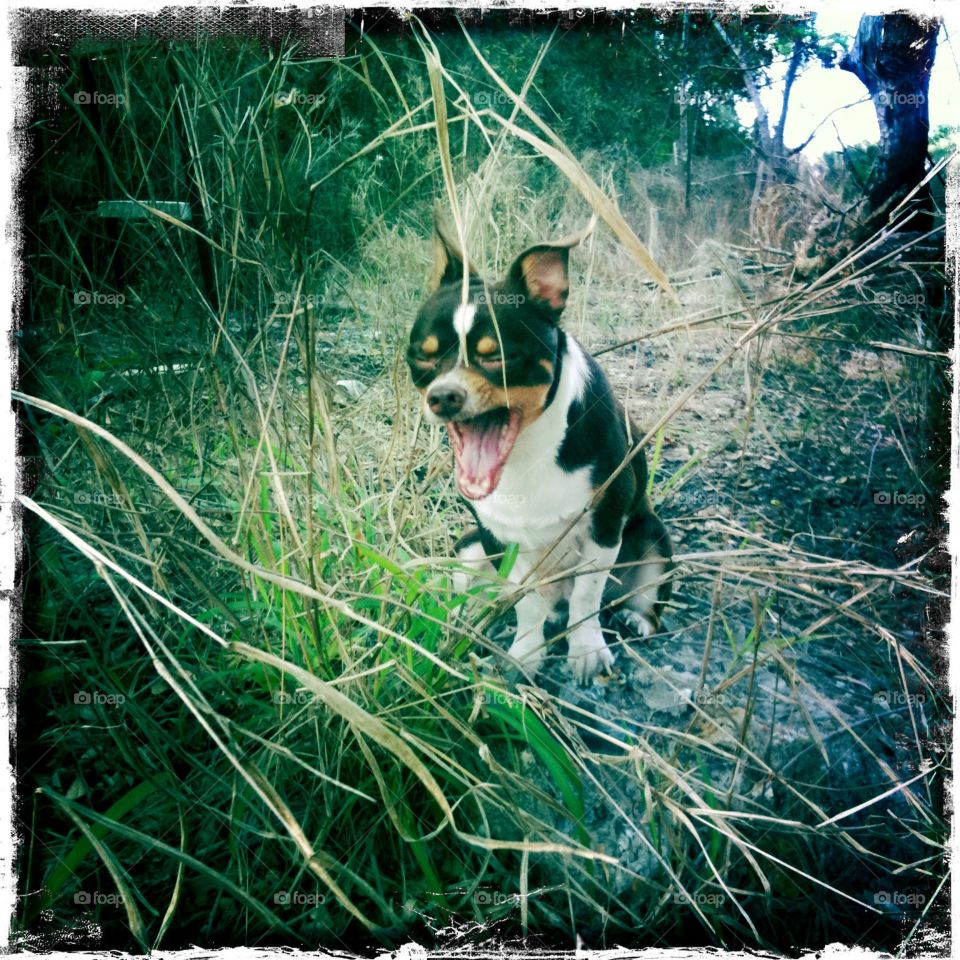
[272,716]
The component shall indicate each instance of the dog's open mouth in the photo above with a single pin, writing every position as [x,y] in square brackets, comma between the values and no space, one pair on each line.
[481,447]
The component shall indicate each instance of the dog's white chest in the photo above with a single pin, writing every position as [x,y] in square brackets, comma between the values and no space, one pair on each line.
[534,502]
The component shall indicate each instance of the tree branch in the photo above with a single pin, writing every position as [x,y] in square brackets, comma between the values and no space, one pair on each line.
[796,59]
[753,91]
[793,151]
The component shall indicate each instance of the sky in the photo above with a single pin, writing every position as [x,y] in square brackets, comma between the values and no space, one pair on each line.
[818,91]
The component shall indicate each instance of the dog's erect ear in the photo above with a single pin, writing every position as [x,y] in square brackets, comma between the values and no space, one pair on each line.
[541,272]
[448,257]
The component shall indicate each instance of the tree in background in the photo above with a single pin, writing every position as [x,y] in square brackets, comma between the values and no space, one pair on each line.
[754,43]
[797,37]
[892,56]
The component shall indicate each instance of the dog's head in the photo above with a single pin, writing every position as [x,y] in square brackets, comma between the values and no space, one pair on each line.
[484,356]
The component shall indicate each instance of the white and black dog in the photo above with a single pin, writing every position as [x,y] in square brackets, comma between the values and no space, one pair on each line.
[536,432]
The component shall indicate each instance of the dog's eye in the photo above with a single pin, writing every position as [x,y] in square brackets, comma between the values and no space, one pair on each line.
[423,363]
[490,363]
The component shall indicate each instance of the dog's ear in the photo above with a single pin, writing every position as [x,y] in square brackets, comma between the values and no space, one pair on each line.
[542,272]
[448,257]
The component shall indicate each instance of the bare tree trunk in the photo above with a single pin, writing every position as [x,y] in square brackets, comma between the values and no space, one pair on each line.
[765,139]
[759,184]
[691,139]
[684,98]
[776,164]
[796,59]
[892,56]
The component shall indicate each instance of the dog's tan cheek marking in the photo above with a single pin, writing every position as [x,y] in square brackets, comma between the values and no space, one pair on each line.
[430,344]
[481,389]
[528,400]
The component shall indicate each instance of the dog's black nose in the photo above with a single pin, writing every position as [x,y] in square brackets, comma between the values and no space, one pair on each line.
[446,401]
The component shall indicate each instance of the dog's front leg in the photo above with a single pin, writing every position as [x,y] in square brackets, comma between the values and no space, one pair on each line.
[588,651]
[530,647]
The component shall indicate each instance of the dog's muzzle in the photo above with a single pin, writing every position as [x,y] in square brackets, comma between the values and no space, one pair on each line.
[446,400]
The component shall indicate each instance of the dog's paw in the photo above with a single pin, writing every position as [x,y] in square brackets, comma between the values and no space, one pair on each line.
[588,653]
[630,623]
[528,653]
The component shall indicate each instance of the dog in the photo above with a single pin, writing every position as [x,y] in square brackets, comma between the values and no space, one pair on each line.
[537,436]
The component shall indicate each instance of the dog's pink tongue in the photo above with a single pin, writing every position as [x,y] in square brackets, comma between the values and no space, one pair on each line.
[479,459]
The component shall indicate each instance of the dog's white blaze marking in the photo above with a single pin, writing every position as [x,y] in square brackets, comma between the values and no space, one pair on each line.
[463,318]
